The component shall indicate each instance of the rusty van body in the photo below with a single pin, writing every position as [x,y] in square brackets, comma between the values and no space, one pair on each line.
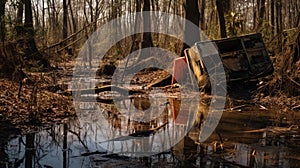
[243,58]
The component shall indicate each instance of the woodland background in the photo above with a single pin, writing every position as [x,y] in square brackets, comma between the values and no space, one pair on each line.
[34,33]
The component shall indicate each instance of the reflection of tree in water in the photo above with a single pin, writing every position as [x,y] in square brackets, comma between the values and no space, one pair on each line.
[119,121]
[52,147]
[3,157]
[65,145]
[7,131]
[30,150]
[69,145]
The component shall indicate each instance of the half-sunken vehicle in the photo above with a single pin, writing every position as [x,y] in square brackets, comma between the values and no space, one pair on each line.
[243,57]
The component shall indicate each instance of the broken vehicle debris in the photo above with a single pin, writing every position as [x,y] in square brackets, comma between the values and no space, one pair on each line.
[243,57]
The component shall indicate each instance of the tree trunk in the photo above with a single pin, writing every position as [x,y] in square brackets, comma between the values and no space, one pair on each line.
[136,38]
[147,39]
[31,51]
[255,10]
[65,19]
[202,18]
[191,15]
[221,18]
[43,19]
[97,13]
[261,13]
[273,17]
[296,47]
[279,23]
[50,20]
[36,13]
[298,19]
[28,25]
[2,20]
[55,22]
[19,23]
[91,13]
[74,23]
[297,13]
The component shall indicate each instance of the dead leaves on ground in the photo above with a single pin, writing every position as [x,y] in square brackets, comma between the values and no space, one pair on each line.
[47,108]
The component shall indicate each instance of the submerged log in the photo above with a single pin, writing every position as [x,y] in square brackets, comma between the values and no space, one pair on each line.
[118,89]
[161,82]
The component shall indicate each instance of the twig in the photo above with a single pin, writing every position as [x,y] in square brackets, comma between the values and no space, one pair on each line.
[295,107]
[80,140]
[292,80]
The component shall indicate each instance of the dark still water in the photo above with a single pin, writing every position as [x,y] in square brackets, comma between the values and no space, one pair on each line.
[246,136]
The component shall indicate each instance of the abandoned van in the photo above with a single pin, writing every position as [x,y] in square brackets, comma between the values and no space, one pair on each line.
[243,58]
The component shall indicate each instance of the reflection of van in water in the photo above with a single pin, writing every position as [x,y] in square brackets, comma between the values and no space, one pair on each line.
[244,58]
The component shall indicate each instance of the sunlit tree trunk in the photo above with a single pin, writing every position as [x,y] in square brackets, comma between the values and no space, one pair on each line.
[74,23]
[36,13]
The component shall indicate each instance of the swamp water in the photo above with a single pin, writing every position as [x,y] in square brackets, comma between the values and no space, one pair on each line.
[247,136]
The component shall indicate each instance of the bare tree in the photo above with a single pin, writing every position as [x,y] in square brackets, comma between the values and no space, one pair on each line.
[19,20]
[29,30]
[261,13]
[202,14]
[191,14]
[31,51]
[222,22]
[272,16]
[2,20]
[147,39]
[74,22]
[65,19]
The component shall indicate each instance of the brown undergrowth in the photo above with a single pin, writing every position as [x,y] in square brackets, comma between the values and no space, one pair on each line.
[283,88]
[38,105]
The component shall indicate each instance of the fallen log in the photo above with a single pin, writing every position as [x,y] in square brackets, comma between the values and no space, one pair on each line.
[118,89]
[161,82]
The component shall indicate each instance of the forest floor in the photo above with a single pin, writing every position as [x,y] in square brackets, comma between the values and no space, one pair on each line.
[45,99]
[41,103]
